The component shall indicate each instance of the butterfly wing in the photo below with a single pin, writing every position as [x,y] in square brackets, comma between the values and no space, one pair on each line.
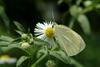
[69,41]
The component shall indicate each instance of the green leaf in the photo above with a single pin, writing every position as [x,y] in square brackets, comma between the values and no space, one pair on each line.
[31,50]
[84,23]
[21,60]
[19,26]
[39,42]
[6,38]
[98,6]
[41,52]
[78,2]
[1,9]
[61,56]
[3,44]
[60,1]
[5,41]
[10,46]
[19,32]
[5,18]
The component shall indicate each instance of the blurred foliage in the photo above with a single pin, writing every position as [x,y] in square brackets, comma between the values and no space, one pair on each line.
[80,15]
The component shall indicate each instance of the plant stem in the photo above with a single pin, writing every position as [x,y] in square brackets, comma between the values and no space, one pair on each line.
[72,22]
[40,59]
[77,64]
[78,2]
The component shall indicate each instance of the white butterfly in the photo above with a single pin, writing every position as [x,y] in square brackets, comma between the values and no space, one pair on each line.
[70,41]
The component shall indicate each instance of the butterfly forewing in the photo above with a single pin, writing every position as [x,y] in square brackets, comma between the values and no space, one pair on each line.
[69,41]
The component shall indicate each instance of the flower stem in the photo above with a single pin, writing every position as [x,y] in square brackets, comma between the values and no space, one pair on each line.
[72,22]
[77,64]
[40,59]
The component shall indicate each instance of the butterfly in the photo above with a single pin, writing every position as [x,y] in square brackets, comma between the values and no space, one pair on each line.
[69,41]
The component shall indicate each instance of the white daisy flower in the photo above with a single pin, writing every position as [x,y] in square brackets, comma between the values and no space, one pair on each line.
[68,40]
[7,59]
[45,31]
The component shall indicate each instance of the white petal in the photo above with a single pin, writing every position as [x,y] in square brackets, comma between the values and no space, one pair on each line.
[40,26]
[41,36]
[12,60]
[37,30]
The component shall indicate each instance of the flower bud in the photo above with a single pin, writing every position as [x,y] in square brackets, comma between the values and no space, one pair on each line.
[24,36]
[50,63]
[25,45]
[87,3]
[98,6]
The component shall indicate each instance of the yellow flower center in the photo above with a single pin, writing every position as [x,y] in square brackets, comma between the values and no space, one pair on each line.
[4,57]
[49,32]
